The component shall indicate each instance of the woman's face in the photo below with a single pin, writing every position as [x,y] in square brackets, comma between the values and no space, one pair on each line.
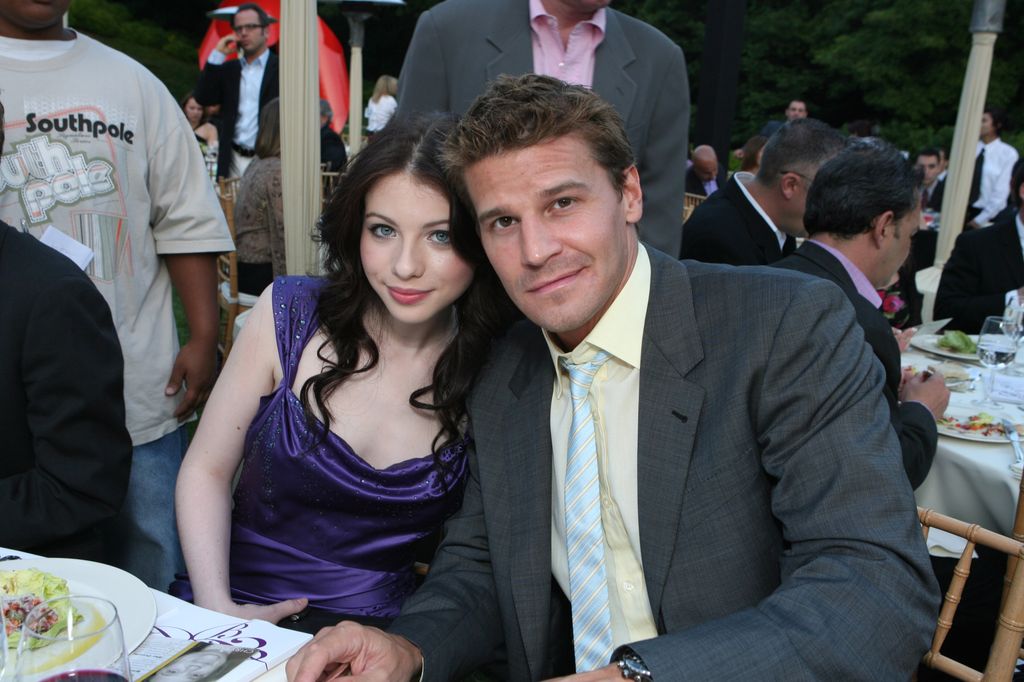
[192,666]
[407,253]
[193,111]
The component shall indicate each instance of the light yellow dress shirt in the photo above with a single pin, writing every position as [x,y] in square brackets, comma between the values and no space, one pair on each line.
[615,396]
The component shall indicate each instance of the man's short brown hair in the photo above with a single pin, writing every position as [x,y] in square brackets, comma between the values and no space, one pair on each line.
[522,111]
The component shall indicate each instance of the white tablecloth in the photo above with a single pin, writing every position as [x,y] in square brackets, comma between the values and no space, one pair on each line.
[969,480]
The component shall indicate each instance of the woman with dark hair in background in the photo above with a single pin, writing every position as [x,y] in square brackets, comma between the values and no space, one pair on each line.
[259,209]
[205,132]
[344,401]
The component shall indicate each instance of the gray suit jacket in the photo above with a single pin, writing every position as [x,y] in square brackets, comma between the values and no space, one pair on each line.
[461,45]
[778,531]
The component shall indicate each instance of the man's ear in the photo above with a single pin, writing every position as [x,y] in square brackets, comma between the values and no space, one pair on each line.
[789,183]
[632,195]
[882,225]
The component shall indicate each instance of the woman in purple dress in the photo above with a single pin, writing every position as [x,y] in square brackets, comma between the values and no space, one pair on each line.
[344,401]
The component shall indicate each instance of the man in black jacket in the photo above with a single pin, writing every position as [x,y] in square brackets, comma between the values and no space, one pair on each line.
[755,220]
[985,272]
[862,212]
[241,86]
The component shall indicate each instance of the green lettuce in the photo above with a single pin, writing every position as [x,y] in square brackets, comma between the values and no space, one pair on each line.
[958,342]
[21,590]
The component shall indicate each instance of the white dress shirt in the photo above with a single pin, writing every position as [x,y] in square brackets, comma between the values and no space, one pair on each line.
[995,179]
[742,178]
[247,125]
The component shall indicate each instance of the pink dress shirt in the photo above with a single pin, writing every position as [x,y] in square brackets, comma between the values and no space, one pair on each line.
[572,63]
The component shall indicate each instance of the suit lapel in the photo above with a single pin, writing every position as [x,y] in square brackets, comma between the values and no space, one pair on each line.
[515,51]
[670,409]
[527,454]
[611,80]
[760,231]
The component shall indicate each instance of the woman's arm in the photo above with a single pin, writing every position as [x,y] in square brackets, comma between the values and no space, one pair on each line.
[203,493]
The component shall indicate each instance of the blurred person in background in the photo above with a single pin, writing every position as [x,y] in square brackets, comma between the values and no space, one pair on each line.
[259,209]
[382,104]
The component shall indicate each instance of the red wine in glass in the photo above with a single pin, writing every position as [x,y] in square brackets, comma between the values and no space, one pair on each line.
[87,676]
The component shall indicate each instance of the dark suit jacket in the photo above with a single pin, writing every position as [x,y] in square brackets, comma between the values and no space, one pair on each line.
[461,45]
[66,452]
[935,200]
[913,422]
[218,84]
[773,508]
[694,185]
[985,264]
[332,149]
[727,229]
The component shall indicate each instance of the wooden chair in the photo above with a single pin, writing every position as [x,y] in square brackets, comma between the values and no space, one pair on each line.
[690,202]
[230,300]
[328,181]
[1006,647]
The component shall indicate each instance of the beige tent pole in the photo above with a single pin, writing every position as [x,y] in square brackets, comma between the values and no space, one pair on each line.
[986,22]
[357,36]
[300,133]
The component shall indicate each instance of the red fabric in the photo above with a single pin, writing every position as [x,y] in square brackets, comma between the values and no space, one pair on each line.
[333,72]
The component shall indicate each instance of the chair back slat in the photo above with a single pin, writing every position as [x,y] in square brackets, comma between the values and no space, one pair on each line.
[1006,647]
[227,269]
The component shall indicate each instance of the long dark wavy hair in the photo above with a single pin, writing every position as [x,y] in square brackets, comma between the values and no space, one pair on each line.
[409,145]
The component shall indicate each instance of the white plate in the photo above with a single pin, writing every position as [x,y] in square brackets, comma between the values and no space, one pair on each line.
[135,604]
[929,344]
[962,413]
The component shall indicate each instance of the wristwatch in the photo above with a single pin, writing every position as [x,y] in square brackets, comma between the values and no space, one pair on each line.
[632,666]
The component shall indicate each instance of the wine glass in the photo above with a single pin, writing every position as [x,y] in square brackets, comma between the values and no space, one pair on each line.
[3,636]
[72,639]
[997,348]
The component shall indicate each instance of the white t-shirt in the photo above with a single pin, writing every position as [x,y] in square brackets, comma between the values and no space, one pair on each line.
[379,113]
[97,147]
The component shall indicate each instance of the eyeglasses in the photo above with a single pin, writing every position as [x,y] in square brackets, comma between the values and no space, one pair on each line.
[248,27]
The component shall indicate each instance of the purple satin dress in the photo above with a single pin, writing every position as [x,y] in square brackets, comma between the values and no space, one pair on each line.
[311,518]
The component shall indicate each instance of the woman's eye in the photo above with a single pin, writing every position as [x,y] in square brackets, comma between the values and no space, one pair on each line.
[382,231]
[441,236]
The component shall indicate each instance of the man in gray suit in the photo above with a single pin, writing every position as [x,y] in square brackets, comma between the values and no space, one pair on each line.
[461,45]
[744,511]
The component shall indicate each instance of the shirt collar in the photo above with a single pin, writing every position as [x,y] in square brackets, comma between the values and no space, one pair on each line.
[1020,228]
[860,280]
[259,62]
[742,178]
[598,20]
[620,331]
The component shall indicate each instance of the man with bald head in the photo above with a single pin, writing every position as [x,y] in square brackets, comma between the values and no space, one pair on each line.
[704,176]
[459,46]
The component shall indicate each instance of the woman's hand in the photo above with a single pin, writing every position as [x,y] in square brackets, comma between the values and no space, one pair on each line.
[272,613]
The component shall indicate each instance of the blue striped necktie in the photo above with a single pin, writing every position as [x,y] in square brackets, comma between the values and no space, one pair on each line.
[584,534]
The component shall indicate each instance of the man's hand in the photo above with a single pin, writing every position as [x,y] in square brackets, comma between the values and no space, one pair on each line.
[608,673]
[196,367]
[972,225]
[929,390]
[227,44]
[361,652]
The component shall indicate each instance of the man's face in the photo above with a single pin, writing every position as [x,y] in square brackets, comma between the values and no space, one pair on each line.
[897,246]
[559,235]
[796,109]
[705,168]
[252,36]
[32,19]
[987,129]
[930,167]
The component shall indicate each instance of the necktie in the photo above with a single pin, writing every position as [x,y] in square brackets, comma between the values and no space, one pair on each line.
[584,534]
[979,167]
[924,198]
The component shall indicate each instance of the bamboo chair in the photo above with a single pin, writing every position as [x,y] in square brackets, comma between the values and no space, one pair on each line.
[690,202]
[1006,647]
[230,300]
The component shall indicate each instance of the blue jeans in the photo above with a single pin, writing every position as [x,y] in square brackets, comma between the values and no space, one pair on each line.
[143,538]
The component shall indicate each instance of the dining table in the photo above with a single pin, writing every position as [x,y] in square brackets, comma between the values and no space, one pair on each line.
[971,477]
[174,618]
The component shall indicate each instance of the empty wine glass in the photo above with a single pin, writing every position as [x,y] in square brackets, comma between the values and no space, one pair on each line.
[72,639]
[997,348]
